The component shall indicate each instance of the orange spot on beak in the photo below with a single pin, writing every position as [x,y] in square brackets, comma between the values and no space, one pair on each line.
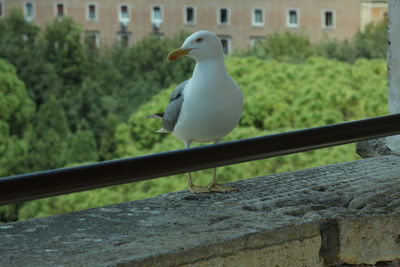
[177,53]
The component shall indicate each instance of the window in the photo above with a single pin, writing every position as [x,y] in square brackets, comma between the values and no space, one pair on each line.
[93,39]
[124,12]
[255,40]
[189,15]
[223,16]
[59,9]
[92,12]
[124,15]
[257,17]
[124,38]
[156,15]
[226,44]
[292,19]
[2,9]
[328,19]
[29,11]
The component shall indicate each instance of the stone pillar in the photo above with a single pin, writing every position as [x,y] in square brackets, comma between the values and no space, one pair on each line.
[394,66]
[389,145]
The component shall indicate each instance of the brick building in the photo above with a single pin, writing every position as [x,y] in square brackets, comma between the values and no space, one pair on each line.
[239,23]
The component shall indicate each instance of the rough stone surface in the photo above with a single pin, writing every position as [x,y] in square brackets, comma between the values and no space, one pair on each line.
[330,215]
[374,148]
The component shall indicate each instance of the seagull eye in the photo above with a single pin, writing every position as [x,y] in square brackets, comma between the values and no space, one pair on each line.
[199,40]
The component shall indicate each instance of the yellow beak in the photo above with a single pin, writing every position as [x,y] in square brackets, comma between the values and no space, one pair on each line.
[177,53]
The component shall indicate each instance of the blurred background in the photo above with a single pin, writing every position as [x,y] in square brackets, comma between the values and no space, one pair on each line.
[77,78]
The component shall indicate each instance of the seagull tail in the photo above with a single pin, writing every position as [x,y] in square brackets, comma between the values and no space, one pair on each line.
[162,130]
[159,116]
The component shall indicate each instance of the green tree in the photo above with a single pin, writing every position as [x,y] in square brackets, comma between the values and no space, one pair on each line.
[121,79]
[18,45]
[4,136]
[98,93]
[145,71]
[291,96]
[14,158]
[372,41]
[49,140]
[16,108]
[62,46]
[125,146]
[287,47]
[108,143]
[82,148]
[339,50]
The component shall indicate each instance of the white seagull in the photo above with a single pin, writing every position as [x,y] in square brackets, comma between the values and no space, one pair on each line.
[207,106]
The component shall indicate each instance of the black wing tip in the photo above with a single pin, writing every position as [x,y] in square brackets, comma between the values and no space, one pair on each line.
[155,116]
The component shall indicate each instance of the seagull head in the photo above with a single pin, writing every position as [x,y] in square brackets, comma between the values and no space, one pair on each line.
[200,45]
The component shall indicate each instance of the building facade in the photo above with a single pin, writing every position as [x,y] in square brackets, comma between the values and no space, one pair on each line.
[239,23]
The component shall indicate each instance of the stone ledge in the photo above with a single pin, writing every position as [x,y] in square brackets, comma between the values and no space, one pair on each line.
[330,215]
[378,147]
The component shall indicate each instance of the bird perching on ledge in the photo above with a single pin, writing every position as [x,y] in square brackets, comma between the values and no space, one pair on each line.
[207,106]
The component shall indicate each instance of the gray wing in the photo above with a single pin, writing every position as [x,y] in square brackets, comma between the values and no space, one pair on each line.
[173,109]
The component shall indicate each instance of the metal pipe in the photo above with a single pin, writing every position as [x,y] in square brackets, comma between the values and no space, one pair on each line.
[67,180]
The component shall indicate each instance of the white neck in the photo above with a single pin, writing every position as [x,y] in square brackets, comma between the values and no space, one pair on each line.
[209,68]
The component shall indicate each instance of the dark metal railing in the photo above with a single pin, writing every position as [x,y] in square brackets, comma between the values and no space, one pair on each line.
[60,181]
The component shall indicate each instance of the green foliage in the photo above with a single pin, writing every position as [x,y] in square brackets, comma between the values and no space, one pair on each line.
[19,46]
[15,157]
[50,137]
[148,71]
[15,106]
[290,96]
[23,31]
[83,147]
[279,97]
[61,104]
[372,41]
[62,46]
[137,126]
[4,136]
[339,50]
[125,146]
[108,143]
[9,213]
[16,110]
[286,47]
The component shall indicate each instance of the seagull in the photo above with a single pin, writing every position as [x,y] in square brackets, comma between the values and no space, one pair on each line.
[205,107]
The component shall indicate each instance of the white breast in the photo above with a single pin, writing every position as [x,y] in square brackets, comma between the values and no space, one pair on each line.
[210,110]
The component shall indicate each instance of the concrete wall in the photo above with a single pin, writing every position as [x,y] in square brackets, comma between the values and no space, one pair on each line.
[347,213]
[373,11]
